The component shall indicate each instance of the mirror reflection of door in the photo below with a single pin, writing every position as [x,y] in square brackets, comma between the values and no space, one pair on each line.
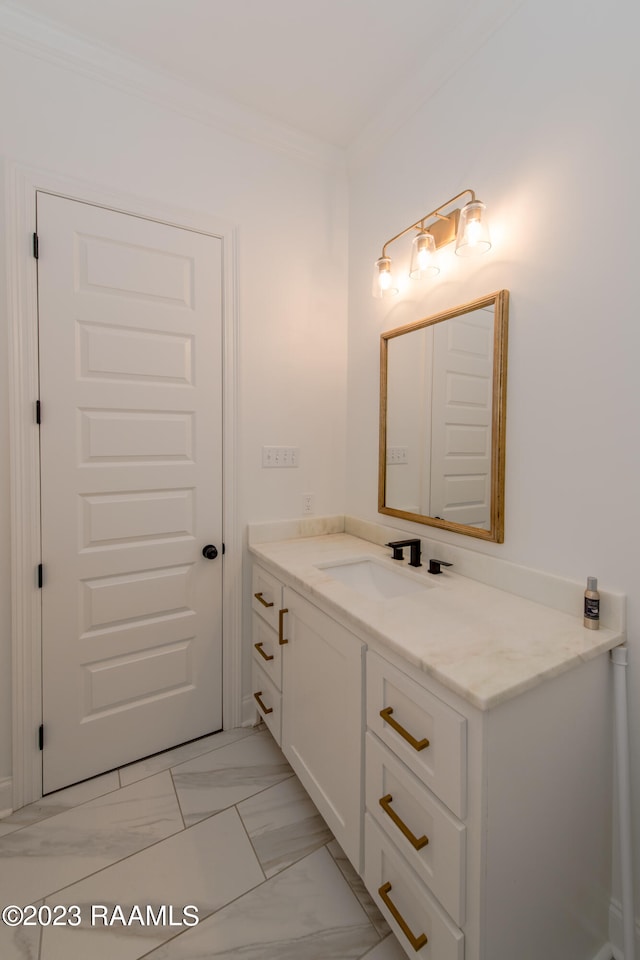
[461,404]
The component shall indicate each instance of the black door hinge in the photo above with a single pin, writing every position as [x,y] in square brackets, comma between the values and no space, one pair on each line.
[36,246]
[41,737]
[40,575]
[223,549]
[38,412]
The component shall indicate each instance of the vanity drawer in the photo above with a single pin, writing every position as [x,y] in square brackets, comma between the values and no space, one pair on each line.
[268,701]
[418,921]
[267,651]
[428,836]
[427,735]
[266,596]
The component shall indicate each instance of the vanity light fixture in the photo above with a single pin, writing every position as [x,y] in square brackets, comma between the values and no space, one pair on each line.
[467,226]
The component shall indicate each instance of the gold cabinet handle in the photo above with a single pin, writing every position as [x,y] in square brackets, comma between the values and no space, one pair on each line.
[264,603]
[264,709]
[266,656]
[416,744]
[416,942]
[281,636]
[416,842]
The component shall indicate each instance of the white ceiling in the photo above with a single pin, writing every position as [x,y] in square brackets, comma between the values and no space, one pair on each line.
[323,68]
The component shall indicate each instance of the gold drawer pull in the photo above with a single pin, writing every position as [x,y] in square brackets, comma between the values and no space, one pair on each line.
[266,656]
[417,842]
[416,744]
[264,709]
[264,603]
[416,942]
[281,636]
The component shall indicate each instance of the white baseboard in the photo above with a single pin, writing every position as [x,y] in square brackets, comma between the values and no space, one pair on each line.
[616,935]
[6,797]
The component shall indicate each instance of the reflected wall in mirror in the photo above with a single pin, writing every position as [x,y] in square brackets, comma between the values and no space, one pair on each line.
[442,419]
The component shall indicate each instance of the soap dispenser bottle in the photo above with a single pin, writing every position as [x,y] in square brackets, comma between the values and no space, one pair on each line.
[592,604]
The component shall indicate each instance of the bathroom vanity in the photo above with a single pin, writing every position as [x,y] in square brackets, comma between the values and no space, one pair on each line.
[455,737]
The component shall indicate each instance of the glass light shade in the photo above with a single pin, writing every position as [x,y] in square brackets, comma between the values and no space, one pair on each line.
[473,232]
[384,284]
[423,250]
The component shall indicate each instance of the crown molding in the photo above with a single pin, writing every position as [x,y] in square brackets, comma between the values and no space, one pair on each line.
[36,37]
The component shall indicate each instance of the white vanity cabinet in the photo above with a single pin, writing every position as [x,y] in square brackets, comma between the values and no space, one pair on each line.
[481,834]
[323,667]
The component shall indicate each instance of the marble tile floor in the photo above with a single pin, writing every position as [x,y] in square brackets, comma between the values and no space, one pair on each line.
[220,826]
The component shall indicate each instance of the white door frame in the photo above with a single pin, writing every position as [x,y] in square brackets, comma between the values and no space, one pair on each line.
[21,186]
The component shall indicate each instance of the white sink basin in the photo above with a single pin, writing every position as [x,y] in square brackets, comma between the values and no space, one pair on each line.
[374,579]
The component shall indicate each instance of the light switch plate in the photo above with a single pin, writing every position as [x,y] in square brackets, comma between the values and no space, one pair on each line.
[280,456]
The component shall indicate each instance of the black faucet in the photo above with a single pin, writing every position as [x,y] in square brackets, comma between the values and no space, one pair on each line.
[434,565]
[397,546]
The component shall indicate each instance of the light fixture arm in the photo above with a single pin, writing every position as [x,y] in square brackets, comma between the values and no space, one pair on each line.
[419,224]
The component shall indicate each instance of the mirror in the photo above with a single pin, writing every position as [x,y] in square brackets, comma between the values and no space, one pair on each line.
[442,419]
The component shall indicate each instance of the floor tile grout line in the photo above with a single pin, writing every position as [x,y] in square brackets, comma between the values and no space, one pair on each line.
[149,954]
[175,793]
[57,813]
[157,948]
[196,756]
[251,890]
[214,813]
[162,945]
[229,902]
[304,855]
[40,939]
[169,836]
[179,933]
[354,894]
[184,827]
[122,786]
[89,876]
[244,827]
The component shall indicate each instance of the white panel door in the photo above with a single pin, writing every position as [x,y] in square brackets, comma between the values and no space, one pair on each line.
[462,419]
[131,460]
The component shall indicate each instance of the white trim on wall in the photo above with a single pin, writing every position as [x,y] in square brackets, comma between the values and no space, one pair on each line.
[616,931]
[6,797]
[35,36]
[21,186]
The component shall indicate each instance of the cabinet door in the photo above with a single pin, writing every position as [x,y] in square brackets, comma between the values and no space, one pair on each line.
[322,721]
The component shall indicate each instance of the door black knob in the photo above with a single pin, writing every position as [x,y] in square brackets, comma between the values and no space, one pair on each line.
[209,552]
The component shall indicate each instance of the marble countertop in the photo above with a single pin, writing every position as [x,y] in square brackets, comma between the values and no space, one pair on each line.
[483,643]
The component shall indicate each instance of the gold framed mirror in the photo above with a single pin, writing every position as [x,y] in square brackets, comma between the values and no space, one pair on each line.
[442,419]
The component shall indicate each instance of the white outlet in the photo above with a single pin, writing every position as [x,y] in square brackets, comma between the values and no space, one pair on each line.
[307,503]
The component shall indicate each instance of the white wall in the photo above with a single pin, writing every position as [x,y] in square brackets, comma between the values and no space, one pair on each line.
[292,322]
[542,124]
